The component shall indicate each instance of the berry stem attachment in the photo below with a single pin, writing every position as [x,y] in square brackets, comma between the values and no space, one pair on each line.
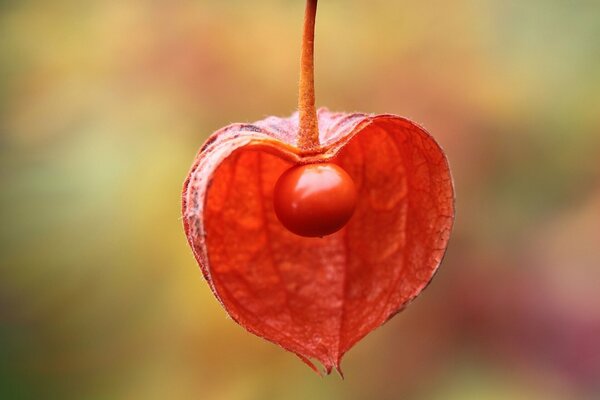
[308,136]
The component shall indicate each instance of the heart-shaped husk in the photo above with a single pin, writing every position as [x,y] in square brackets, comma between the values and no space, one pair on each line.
[317,297]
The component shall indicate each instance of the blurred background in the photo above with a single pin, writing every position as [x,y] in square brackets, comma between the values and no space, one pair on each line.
[103,105]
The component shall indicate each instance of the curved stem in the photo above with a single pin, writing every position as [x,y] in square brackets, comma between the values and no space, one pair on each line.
[308,136]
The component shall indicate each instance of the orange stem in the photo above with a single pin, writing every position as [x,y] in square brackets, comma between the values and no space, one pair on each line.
[308,136]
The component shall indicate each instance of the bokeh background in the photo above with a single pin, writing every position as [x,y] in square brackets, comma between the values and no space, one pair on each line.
[104,103]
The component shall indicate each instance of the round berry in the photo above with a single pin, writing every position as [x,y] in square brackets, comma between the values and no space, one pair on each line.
[314,200]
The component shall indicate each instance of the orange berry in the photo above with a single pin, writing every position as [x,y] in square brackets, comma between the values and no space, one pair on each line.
[314,200]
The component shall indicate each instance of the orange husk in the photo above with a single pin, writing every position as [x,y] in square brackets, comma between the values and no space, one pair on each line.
[317,297]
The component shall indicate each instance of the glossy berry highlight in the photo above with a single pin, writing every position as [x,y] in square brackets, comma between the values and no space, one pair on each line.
[314,200]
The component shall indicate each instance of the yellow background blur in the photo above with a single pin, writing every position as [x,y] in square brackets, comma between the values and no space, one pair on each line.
[103,105]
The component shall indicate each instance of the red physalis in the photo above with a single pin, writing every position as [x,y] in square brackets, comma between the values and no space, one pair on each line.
[314,230]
